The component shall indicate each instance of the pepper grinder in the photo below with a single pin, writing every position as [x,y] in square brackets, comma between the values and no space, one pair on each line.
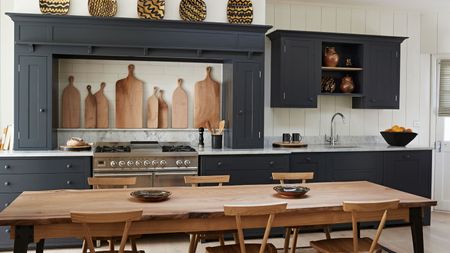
[201,140]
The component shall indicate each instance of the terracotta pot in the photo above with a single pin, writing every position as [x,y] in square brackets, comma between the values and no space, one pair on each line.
[347,84]
[330,58]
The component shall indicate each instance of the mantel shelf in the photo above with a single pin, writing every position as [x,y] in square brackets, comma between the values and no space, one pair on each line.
[341,69]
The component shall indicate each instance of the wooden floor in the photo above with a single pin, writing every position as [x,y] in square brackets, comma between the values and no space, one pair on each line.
[436,237]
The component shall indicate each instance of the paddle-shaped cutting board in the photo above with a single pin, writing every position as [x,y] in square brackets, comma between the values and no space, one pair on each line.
[207,101]
[179,107]
[102,107]
[90,110]
[129,101]
[152,109]
[70,106]
[163,112]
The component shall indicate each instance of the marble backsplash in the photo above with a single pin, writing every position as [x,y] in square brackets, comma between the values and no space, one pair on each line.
[186,135]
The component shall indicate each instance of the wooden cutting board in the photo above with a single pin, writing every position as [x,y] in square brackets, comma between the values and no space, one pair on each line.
[289,145]
[129,101]
[207,101]
[179,107]
[70,106]
[163,111]
[102,107]
[152,109]
[90,110]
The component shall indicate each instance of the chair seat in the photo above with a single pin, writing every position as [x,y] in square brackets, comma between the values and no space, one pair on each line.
[343,245]
[234,248]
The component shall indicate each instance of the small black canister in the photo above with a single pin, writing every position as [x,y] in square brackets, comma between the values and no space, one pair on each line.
[216,141]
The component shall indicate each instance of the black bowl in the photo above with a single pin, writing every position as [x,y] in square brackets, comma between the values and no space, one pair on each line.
[291,191]
[398,139]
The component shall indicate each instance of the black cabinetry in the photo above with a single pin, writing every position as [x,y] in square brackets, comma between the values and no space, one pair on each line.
[310,162]
[297,68]
[357,166]
[35,174]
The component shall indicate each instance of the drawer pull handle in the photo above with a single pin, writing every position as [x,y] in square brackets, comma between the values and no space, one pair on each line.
[69,182]
[7,230]
[407,156]
[42,110]
[272,163]
[219,164]
[308,159]
[6,204]
[7,167]
[69,166]
[7,183]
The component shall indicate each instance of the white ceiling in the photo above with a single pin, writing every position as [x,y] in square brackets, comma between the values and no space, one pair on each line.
[442,5]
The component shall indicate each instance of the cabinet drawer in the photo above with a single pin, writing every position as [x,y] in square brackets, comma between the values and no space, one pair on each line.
[6,199]
[45,165]
[37,182]
[310,162]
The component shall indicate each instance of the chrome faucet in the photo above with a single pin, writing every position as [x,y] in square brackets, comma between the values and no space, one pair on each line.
[334,138]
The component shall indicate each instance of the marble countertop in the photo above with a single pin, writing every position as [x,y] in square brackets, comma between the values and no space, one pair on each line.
[311,148]
[43,153]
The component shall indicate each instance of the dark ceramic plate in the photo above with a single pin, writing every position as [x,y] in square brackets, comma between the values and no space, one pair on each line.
[398,139]
[151,195]
[291,191]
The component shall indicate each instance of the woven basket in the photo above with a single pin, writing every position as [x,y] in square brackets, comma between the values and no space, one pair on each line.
[193,10]
[102,8]
[240,11]
[151,9]
[55,7]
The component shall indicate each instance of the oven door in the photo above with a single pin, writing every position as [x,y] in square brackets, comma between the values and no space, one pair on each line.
[172,178]
[143,179]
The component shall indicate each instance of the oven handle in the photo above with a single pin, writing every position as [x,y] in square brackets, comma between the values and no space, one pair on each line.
[120,174]
[177,173]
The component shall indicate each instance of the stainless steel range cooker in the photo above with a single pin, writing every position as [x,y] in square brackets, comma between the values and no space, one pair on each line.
[153,164]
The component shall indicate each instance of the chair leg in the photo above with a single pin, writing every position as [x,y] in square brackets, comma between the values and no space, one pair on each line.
[222,240]
[236,238]
[287,237]
[197,239]
[133,245]
[111,245]
[84,248]
[327,231]
[193,237]
[294,240]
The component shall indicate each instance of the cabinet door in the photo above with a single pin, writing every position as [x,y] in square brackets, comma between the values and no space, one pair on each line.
[382,82]
[310,162]
[300,68]
[31,103]
[356,166]
[248,111]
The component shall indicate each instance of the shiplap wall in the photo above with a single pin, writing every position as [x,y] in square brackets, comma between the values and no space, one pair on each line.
[414,91]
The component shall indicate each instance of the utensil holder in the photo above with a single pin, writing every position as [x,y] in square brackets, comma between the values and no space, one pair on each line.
[216,141]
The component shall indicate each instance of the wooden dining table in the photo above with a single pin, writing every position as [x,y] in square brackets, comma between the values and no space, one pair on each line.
[36,216]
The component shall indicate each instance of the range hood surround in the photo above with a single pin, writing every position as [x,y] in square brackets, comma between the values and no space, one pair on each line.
[82,37]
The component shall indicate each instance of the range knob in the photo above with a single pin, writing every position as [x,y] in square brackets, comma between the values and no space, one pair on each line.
[146,163]
[138,163]
[155,163]
[187,163]
[130,163]
[179,163]
[122,163]
[163,163]
[113,163]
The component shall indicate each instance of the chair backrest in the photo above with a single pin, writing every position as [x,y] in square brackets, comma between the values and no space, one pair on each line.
[253,210]
[195,180]
[373,206]
[88,220]
[298,176]
[111,182]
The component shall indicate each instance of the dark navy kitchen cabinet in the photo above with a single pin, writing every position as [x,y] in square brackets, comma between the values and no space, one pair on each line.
[32,103]
[382,77]
[310,162]
[36,174]
[245,169]
[245,109]
[355,166]
[295,72]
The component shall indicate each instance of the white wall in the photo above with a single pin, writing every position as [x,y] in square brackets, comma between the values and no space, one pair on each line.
[414,91]
[436,32]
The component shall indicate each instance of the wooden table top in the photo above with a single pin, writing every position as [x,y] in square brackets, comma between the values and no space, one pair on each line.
[51,207]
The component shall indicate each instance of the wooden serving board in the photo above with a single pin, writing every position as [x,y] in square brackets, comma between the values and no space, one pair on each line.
[289,145]
[179,107]
[163,111]
[70,106]
[129,101]
[207,102]
[152,109]
[90,110]
[102,107]
[75,148]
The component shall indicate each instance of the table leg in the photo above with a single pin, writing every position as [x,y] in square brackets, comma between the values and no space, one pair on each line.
[40,246]
[415,218]
[23,237]
[358,228]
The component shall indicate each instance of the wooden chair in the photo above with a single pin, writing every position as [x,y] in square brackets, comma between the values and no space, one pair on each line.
[88,220]
[357,244]
[302,177]
[243,210]
[112,182]
[196,237]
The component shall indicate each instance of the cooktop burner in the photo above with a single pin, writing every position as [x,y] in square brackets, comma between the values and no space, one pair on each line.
[112,149]
[177,148]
